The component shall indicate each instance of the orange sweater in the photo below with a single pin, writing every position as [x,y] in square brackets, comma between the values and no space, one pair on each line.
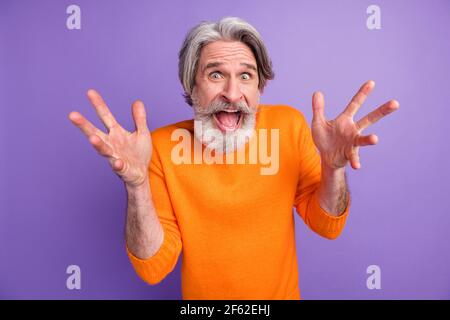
[234,225]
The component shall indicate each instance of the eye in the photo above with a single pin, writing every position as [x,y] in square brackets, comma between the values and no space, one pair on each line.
[245,76]
[215,75]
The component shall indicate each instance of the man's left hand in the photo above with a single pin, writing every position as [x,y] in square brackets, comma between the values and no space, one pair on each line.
[339,140]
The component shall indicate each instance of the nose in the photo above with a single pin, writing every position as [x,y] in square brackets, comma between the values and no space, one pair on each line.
[232,92]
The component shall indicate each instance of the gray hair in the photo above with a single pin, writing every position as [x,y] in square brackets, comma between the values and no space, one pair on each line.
[228,29]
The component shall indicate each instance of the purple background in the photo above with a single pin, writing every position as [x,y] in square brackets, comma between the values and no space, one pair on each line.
[61,204]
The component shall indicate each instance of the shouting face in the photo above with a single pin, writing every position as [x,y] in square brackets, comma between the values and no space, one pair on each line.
[226,95]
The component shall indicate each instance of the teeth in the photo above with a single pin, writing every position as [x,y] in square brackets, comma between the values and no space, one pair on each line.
[231,111]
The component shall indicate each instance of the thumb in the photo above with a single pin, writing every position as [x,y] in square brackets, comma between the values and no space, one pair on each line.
[118,165]
[318,105]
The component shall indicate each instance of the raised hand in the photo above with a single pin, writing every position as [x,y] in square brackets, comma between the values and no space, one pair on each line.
[339,140]
[128,153]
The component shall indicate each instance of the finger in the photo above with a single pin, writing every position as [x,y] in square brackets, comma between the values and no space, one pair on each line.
[118,165]
[318,106]
[359,98]
[353,158]
[102,110]
[366,140]
[84,125]
[139,116]
[377,114]
[101,147]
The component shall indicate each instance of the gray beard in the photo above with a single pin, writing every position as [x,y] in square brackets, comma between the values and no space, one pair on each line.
[206,131]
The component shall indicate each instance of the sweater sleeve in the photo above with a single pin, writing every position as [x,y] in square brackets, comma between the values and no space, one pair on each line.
[154,269]
[306,199]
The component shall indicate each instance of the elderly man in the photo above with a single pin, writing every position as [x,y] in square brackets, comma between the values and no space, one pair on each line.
[187,192]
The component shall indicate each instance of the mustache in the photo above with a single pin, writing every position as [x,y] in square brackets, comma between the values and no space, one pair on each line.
[221,105]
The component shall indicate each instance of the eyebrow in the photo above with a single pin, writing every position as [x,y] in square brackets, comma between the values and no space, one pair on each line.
[211,65]
[250,66]
[217,64]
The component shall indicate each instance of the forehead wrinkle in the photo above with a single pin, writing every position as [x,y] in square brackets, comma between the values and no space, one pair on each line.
[231,54]
[227,52]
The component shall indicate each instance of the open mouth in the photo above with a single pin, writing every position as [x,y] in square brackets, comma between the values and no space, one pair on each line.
[228,120]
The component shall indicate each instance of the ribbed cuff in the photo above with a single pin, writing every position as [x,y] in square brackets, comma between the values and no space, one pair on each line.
[327,225]
[154,269]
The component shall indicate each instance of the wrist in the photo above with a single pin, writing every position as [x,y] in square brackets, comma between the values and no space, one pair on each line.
[333,192]
[330,171]
[142,186]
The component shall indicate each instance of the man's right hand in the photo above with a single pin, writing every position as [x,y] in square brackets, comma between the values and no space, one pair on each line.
[128,153]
